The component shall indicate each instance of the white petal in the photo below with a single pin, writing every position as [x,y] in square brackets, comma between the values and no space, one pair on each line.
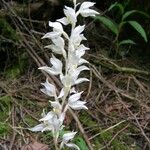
[70,14]
[82,61]
[81,68]
[78,105]
[67,80]
[56,105]
[51,35]
[73,146]
[73,90]
[63,20]
[89,12]
[59,41]
[80,80]
[86,5]
[57,26]
[54,48]
[62,117]
[49,116]
[68,136]
[49,70]
[37,128]
[61,94]
[79,29]
[75,97]
[82,48]
[57,64]
[49,88]
[47,128]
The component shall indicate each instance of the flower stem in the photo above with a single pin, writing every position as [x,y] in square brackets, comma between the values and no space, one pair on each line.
[55,143]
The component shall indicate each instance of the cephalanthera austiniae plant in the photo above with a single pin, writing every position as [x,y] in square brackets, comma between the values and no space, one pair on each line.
[68,97]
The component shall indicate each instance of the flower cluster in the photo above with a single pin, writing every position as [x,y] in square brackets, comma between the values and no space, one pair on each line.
[70,47]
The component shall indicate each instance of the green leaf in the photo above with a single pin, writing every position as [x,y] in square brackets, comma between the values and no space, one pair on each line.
[144,14]
[108,23]
[81,143]
[127,14]
[128,41]
[117,5]
[139,29]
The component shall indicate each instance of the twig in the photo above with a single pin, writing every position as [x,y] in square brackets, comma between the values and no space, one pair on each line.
[114,137]
[81,129]
[139,126]
[113,66]
[14,133]
[107,129]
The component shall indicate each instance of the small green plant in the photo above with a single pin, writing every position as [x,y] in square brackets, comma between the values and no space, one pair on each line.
[116,27]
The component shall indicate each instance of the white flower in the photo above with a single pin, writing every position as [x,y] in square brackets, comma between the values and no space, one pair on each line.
[85,11]
[57,108]
[72,78]
[38,127]
[76,36]
[57,27]
[64,21]
[58,46]
[68,137]
[52,121]
[75,103]
[49,89]
[51,35]
[57,31]
[56,69]
[71,16]
[45,126]
[81,50]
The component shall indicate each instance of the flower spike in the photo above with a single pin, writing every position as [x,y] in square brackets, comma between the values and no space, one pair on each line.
[68,45]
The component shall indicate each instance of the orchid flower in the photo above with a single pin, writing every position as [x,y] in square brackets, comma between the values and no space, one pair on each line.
[49,89]
[85,10]
[75,103]
[56,69]
[68,137]
[70,46]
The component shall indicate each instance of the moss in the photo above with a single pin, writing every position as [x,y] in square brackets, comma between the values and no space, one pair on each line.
[86,120]
[5,105]
[4,129]
[7,31]
[29,120]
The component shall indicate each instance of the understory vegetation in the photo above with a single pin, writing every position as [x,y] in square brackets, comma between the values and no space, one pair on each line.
[117,95]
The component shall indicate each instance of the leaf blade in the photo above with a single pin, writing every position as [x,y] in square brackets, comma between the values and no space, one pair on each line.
[139,29]
[117,5]
[108,23]
[128,41]
[128,13]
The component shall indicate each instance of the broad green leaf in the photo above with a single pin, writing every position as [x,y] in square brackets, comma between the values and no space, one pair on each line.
[128,13]
[128,41]
[108,23]
[139,29]
[117,5]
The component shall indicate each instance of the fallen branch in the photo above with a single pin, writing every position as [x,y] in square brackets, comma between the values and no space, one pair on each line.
[108,63]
